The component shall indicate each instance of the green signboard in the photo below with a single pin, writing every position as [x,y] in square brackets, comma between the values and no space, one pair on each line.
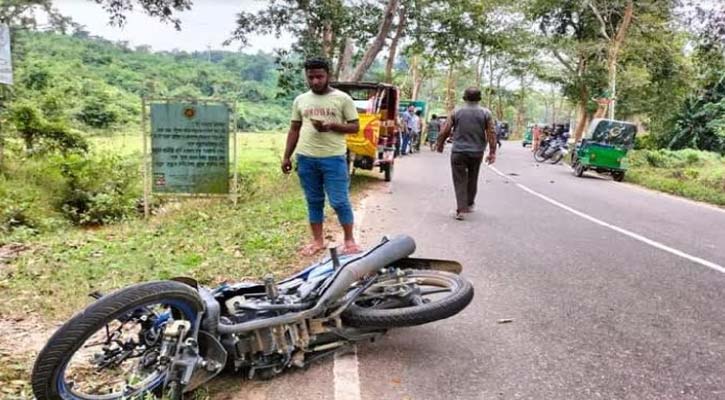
[419,105]
[190,148]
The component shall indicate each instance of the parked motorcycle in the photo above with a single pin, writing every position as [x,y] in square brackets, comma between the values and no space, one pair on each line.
[167,338]
[553,148]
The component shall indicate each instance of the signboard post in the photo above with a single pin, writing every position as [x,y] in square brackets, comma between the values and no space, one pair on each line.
[190,149]
[6,65]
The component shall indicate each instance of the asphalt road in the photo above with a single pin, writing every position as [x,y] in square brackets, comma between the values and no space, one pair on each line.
[596,313]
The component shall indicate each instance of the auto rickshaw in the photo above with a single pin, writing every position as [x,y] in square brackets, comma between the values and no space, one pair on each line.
[374,145]
[528,136]
[604,148]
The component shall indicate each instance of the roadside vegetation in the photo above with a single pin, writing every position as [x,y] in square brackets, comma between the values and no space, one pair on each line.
[698,175]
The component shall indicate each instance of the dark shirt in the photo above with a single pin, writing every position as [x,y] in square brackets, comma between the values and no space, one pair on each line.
[470,123]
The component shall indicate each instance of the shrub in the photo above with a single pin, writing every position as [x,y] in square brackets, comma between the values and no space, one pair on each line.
[99,189]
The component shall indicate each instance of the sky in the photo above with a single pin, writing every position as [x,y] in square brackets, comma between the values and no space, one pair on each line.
[208,23]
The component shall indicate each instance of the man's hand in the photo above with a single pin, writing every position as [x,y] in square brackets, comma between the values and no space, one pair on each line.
[490,158]
[322,126]
[286,166]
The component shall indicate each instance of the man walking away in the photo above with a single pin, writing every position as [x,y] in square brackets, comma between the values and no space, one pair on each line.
[320,120]
[474,130]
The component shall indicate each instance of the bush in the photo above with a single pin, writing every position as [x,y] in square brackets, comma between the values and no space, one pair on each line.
[34,129]
[99,189]
[646,142]
[96,113]
[26,196]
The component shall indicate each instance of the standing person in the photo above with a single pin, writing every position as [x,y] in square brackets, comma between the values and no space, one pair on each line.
[536,138]
[434,128]
[474,130]
[321,118]
[417,131]
[409,125]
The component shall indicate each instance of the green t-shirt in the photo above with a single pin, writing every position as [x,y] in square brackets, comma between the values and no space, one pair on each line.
[335,106]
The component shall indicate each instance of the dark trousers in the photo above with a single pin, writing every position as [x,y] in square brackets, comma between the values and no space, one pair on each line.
[465,168]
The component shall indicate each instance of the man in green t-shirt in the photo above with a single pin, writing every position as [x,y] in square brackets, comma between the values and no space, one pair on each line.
[321,118]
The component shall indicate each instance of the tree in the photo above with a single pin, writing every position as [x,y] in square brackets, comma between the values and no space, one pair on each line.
[569,34]
[701,121]
[383,31]
[329,28]
[614,22]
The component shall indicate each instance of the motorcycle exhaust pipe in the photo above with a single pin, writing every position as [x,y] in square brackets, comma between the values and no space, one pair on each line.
[386,254]
[380,257]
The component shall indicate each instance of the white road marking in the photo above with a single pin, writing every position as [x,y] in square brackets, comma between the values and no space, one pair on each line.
[345,367]
[347,380]
[623,231]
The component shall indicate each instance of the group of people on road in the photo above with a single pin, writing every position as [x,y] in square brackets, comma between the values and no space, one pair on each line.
[323,116]
[410,129]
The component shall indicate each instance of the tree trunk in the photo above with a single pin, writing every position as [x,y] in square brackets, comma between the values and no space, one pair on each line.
[581,112]
[343,66]
[521,110]
[417,85]
[479,69]
[417,80]
[399,32]
[450,89]
[374,49]
[489,96]
[327,40]
[613,53]
[499,100]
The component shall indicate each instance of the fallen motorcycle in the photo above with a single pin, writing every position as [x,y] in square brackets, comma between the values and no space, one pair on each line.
[553,148]
[167,338]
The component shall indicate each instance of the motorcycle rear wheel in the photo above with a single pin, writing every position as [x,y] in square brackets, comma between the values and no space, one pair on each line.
[373,311]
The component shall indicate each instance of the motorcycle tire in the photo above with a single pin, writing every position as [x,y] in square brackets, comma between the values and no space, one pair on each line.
[460,296]
[539,155]
[557,158]
[48,379]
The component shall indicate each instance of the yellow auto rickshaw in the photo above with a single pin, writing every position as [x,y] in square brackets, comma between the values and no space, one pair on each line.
[374,145]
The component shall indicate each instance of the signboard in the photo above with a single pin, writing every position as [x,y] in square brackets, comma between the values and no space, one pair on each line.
[418,104]
[190,148]
[6,65]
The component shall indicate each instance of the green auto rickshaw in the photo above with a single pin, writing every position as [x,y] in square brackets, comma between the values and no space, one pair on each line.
[528,136]
[604,148]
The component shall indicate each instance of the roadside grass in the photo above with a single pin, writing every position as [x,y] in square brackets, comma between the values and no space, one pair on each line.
[210,240]
[693,174]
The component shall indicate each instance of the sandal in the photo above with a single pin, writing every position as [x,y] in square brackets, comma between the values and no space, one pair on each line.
[311,249]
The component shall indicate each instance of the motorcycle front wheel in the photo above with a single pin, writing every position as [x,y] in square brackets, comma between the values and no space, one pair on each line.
[414,297]
[539,155]
[112,349]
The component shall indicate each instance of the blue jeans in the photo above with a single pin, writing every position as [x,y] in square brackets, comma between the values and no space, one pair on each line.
[406,142]
[320,175]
